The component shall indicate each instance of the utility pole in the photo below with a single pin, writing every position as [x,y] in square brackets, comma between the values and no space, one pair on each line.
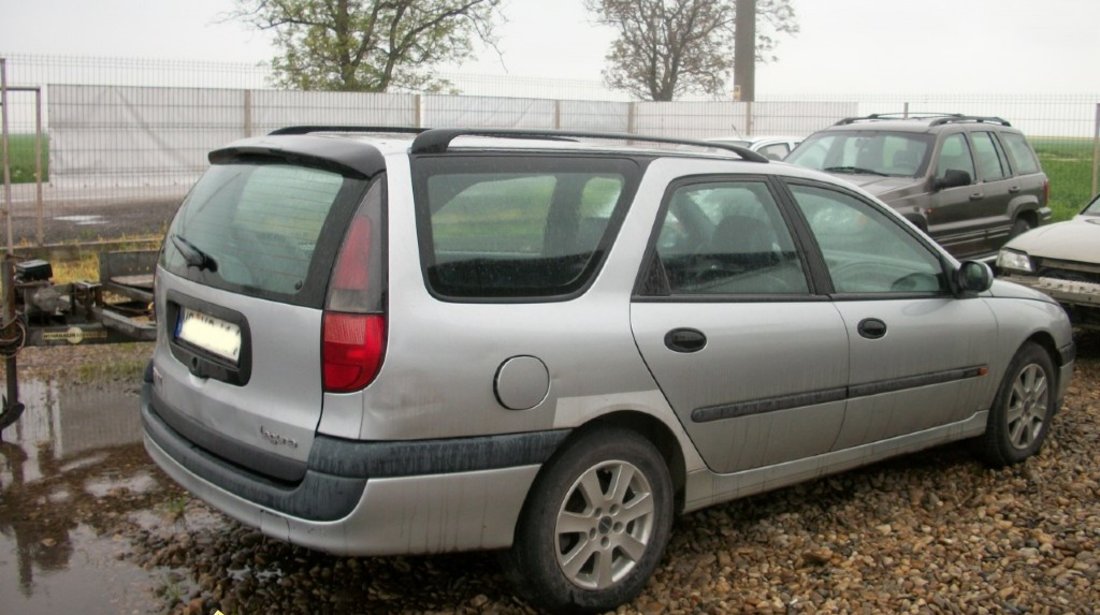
[744,51]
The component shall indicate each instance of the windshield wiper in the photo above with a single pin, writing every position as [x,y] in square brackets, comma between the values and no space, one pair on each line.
[855,170]
[194,256]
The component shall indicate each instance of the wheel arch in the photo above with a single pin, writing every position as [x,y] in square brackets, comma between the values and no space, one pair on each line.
[649,427]
[1046,341]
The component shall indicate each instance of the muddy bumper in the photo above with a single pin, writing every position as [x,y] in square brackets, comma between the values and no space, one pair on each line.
[1080,299]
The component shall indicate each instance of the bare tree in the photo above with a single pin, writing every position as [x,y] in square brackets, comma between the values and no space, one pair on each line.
[667,48]
[369,45]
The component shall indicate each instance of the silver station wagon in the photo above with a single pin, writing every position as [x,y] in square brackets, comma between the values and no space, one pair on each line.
[385,341]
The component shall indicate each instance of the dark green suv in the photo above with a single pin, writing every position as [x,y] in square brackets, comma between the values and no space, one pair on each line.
[971,182]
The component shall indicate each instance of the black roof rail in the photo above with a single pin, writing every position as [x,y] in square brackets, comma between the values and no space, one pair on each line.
[304,130]
[936,118]
[436,141]
[981,119]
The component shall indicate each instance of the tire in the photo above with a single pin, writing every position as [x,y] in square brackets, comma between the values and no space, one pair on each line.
[1020,226]
[1022,411]
[620,534]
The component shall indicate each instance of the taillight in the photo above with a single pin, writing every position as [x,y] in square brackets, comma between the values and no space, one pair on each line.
[352,352]
[354,327]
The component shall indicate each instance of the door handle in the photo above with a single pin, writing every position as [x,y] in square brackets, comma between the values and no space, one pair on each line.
[1014,189]
[871,328]
[974,196]
[685,340]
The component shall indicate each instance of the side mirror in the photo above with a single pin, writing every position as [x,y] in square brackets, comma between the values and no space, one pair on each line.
[953,178]
[973,277]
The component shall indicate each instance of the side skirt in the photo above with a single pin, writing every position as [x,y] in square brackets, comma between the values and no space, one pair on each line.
[705,487]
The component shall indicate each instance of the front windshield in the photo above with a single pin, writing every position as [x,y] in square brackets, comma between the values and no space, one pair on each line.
[865,152]
[1093,209]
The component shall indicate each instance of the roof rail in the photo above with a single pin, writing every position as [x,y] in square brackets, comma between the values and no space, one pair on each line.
[304,130]
[981,119]
[436,141]
[936,118]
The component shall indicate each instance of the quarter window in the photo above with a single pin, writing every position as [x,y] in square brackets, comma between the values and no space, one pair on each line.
[510,228]
[723,238]
[1023,159]
[865,250]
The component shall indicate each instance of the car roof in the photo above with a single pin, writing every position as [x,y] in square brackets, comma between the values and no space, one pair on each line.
[362,149]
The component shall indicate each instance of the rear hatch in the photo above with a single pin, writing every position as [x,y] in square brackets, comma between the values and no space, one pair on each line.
[240,296]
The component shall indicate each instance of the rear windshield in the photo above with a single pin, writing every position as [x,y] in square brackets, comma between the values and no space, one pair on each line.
[253,228]
[530,227]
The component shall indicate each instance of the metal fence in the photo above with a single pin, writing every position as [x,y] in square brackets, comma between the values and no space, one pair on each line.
[125,138]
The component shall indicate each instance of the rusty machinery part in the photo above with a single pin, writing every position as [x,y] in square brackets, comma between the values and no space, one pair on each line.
[13,337]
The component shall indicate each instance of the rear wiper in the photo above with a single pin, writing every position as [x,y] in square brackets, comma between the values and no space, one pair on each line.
[859,170]
[194,256]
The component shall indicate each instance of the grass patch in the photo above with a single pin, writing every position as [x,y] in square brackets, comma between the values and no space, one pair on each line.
[121,369]
[1067,162]
[85,268]
[21,148]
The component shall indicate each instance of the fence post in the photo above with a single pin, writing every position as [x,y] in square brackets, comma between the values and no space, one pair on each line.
[418,118]
[4,146]
[630,117]
[39,207]
[247,113]
[748,118]
[905,110]
[557,115]
[1095,150]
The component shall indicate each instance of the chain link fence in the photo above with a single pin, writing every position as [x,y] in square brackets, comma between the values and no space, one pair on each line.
[121,140]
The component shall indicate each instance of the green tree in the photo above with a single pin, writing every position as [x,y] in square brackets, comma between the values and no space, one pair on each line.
[667,48]
[369,45]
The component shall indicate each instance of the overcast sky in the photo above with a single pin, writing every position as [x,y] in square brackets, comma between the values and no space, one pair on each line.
[845,46]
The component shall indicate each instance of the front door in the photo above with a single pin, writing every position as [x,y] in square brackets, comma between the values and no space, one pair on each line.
[918,354]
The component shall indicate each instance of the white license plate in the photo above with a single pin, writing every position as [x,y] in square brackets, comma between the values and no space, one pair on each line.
[212,334]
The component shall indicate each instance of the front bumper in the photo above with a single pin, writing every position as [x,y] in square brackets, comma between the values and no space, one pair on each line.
[369,498]
[1081,299]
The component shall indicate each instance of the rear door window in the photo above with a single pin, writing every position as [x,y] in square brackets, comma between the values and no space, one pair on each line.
[989,155]
[726,237]
[502,227]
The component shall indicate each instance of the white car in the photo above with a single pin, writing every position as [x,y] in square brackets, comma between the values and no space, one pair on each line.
[1063,261]
[775,148]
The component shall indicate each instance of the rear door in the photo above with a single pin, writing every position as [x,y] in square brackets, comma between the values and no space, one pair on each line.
[753,362]
[997,188]
[240,289]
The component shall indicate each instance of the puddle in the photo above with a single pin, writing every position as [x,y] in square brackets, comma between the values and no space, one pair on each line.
[72,473]
[82,220]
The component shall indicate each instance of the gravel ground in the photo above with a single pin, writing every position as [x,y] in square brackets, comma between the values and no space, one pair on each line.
[933,532]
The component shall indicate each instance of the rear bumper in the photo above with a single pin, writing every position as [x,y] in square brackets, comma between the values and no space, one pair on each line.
[369,498]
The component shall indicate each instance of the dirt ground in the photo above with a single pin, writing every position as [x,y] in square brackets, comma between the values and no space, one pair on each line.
[89,525]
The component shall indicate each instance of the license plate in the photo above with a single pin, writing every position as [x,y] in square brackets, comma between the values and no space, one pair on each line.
[211,334]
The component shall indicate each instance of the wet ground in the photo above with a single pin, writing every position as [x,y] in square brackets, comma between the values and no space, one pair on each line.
[89,525]
[75,484]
